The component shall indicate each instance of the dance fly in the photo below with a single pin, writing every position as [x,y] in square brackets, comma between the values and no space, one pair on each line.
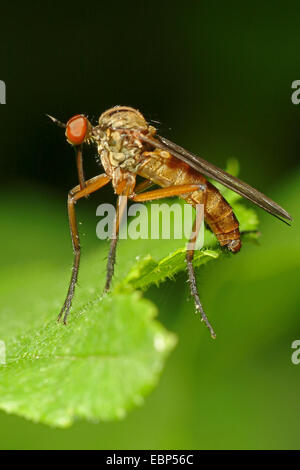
[128,146]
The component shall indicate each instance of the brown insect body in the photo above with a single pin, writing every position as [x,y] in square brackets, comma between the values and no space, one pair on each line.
[123,153]
[128,146]
[165,170]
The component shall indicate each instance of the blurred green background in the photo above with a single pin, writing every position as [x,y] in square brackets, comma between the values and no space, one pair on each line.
[217,76]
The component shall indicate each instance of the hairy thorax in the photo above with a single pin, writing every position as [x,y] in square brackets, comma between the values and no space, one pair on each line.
[119,148]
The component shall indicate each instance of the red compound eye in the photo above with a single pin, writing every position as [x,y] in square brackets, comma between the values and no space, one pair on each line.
[76,129]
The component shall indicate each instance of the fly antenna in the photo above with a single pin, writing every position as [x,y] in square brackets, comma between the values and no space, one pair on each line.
[57,122]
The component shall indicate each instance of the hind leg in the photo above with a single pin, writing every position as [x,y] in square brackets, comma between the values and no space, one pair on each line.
[191,272]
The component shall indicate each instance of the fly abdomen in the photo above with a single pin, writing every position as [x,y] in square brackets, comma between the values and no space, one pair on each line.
[221,219]
[218,214]
[165,170]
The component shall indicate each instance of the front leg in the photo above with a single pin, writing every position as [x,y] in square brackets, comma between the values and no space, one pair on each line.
[74,195]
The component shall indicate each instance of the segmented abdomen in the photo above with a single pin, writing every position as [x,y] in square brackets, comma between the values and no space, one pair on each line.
[220,217]
[165,170]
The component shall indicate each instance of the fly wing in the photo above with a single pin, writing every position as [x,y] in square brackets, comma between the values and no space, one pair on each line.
[212,171]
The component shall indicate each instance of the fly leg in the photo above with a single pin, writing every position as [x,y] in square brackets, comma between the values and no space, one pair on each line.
[177,191]
[74,195]
[121,206]
[191,271]
[190,256]
[143,186]
[124,190]
[122,202]
[169,191]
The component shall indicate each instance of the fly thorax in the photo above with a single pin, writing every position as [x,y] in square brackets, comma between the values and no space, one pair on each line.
[117,150]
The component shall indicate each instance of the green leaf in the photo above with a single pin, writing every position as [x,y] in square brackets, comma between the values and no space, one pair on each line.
[149,271]
[98,367]
[112,351]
